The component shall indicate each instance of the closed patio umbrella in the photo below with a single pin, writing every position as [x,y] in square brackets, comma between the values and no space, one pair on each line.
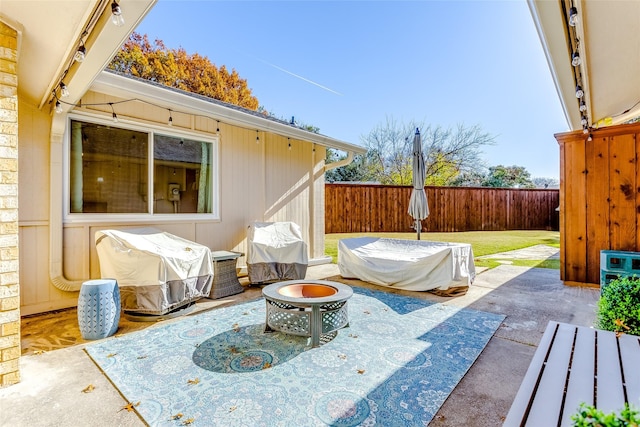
[418,206]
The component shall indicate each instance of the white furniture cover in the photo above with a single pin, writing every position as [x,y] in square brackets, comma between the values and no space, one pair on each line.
[415,265]
[276,252]
[157,272]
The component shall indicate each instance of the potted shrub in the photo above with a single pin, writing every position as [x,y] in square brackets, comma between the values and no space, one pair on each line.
[619,306]
[588,416]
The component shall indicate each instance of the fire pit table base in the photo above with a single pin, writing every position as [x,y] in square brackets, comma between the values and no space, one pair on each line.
[309,308]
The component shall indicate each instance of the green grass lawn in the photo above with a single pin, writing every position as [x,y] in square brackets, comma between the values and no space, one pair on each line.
[482,242]
[553,264]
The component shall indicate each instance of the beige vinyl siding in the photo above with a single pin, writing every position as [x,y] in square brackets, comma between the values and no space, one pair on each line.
[316,204]
[34,127]
[36,293]
[257,181]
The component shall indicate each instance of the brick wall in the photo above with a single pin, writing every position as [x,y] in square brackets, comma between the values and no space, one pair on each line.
[9,283]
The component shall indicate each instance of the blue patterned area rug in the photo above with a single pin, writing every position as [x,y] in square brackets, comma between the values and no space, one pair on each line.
[394,365]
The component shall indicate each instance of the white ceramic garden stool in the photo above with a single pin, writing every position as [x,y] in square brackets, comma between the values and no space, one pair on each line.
[99,308]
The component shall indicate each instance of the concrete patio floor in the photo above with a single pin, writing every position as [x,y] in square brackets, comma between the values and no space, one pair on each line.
[55,369]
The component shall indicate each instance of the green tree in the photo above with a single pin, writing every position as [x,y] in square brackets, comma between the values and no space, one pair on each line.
[354,171]
[508,177]
[447,152]
[389,152]
[176,68]
[470,179]
[545,182]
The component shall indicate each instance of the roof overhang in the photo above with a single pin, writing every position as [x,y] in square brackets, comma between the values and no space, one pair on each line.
[50,32]
[129,88]
[609,45]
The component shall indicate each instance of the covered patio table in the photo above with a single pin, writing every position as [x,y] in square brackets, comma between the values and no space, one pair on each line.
[415,265]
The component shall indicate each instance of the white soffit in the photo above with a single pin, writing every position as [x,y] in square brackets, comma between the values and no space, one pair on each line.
[610,50]
[613,54]
[50,31]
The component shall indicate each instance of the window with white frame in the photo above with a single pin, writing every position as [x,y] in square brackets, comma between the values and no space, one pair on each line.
[111,168]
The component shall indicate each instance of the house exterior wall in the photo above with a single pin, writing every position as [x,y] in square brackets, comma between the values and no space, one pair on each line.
[9,278]
[599,198]
[259,180]
[36,294]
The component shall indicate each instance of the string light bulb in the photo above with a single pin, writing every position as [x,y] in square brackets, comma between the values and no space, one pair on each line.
[257,138]
[170,123]
[116,14]
[80,53]
[583,121]
[579,92]
[64,91]
[289,144]
[58,107]
[113,113]
[575,59]
[573,16]
[218,126]
[583,106]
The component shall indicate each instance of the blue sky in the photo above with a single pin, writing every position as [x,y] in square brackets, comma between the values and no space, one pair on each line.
[345,66]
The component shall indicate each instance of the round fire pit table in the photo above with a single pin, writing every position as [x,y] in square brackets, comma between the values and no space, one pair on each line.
[308,308]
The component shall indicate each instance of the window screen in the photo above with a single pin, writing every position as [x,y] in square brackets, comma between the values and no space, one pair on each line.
[109,172]
[108,169]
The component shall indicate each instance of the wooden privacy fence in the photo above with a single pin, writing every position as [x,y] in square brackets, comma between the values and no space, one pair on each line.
[361,208]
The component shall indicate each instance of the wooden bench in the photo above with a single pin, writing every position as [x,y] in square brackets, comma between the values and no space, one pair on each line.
[575,364]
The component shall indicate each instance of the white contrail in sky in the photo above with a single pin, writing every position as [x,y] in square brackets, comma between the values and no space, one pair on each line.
[300,77]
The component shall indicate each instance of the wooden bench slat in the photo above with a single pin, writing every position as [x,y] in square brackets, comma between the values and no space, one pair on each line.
[609,392]
[630,352]
[521,401]
[550,395]
[581,379]
[595,375]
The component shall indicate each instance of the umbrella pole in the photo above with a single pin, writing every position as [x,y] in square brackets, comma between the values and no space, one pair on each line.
[418,227]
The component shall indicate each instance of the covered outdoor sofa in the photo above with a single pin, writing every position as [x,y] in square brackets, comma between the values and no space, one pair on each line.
[415,265]
[157,272]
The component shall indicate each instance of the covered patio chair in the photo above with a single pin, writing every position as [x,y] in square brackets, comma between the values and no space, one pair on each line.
[276,251]
[157,272]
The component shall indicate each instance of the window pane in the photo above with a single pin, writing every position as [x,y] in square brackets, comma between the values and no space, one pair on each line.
[108,169]
[182,175]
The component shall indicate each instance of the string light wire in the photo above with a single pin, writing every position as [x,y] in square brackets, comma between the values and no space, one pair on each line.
[80,104]
[81,50]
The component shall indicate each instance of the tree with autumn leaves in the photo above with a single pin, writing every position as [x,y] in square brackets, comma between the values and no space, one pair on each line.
[177,68]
